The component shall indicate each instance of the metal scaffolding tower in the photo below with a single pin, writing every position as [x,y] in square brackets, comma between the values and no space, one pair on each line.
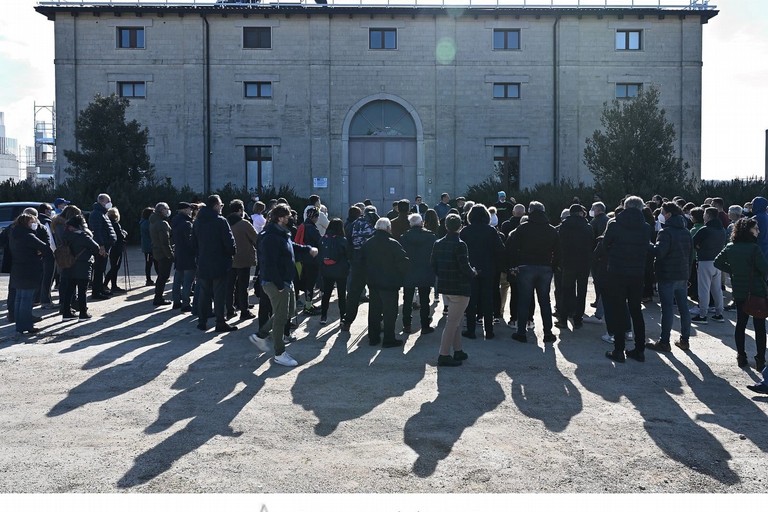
[44,164]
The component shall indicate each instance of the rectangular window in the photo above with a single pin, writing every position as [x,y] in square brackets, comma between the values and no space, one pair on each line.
[132,89]
[257,37]
[628,90]
[382,39]
[506,163]
[130,37]
[506,39]
[629,40]
[506,90]
[258,89]
[258,167]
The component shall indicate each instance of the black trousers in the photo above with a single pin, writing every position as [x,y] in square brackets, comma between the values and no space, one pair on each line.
[163,274]
[212,289]
[356,287]
[382,309]
[237,289]
[621,292]
[115,262]
[573,294]
[67,290]
[341,289]
[99,267]
[424,298]
[481,303]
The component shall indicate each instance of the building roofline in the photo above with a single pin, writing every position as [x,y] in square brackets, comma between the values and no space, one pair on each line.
[49,9]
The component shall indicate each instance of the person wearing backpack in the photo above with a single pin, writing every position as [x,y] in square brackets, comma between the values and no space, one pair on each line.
[334,267]
[84,249]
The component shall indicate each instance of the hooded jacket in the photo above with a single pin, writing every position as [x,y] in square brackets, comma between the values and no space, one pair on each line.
[626,242]
[759,206]
[673,251]
[709,240]
[576,244]
[213,244]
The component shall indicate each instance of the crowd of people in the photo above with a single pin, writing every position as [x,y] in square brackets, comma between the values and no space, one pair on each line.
[476,258]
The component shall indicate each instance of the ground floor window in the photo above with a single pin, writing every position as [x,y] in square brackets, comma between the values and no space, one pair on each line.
[258,167]
[506,164]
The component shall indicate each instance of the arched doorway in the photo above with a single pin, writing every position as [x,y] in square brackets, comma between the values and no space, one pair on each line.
[384,140]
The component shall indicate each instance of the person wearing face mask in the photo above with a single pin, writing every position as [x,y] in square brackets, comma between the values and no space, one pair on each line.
[28,252]
[162,250]
[104,235]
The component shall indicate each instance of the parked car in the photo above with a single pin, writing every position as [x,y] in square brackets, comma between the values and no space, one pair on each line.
[9,212]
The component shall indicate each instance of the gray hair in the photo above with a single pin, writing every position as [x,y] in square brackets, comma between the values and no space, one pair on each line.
[30,211]
[535,206]
[634,202]
[735,210]
[519,208]
[383,224]
[415,219]
[598,205]
[104,198]
[162,206]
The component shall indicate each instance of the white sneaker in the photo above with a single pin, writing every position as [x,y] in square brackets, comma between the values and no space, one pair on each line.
[530,326]
[261,343]
[592,320]
[629,336]
[285,359]
[607,338]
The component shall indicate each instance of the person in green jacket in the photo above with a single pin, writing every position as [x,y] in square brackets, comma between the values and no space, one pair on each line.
[745,262]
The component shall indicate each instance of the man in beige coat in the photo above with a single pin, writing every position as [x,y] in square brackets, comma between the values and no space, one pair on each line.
[245,257]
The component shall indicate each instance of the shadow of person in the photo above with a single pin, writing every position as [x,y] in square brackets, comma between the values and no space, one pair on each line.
[383,373]
[210,396]
[435,429]
[730,408]
[542,392]
[116,380]
[649,386]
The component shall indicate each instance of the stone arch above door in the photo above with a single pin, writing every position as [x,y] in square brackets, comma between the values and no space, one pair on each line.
[389,136]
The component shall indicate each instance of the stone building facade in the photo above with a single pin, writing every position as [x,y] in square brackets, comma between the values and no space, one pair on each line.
[355,102]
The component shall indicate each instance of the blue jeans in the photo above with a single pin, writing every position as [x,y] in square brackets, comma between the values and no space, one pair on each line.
[529,278]
[23,308]
[671,292]
[182,286]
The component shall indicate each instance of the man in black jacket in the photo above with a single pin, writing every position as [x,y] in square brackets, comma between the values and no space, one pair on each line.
[277,268]
[709,241]
[533,251]
[105,236]
[386,264]
[627,241]
[576,245]
[184,275]
[214,245]
[674,257]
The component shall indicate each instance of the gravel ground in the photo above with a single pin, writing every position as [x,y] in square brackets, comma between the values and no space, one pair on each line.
[139,400]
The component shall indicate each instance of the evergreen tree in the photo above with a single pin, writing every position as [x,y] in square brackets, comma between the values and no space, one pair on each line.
[636,151]
[112,151]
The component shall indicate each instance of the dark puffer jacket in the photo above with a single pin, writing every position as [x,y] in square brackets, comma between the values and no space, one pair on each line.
[626,242]
[277,263]
[181,235]
[101,226]
[334,255]
[598,224]
[486,251]
[385,261]
[534,243]
[213,244]
[576,244]
[709,240]
[27,251]
[83,248]
[418,243]
[673,251]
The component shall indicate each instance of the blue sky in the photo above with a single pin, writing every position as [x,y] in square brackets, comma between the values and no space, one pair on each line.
[734,95]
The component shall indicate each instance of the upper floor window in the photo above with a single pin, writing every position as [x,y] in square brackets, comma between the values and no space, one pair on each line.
[130,37]
[258,89]
[382,39]
[506,39]
[624,91]
[257,37]
[132,89]
[629,39]
[506,90]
